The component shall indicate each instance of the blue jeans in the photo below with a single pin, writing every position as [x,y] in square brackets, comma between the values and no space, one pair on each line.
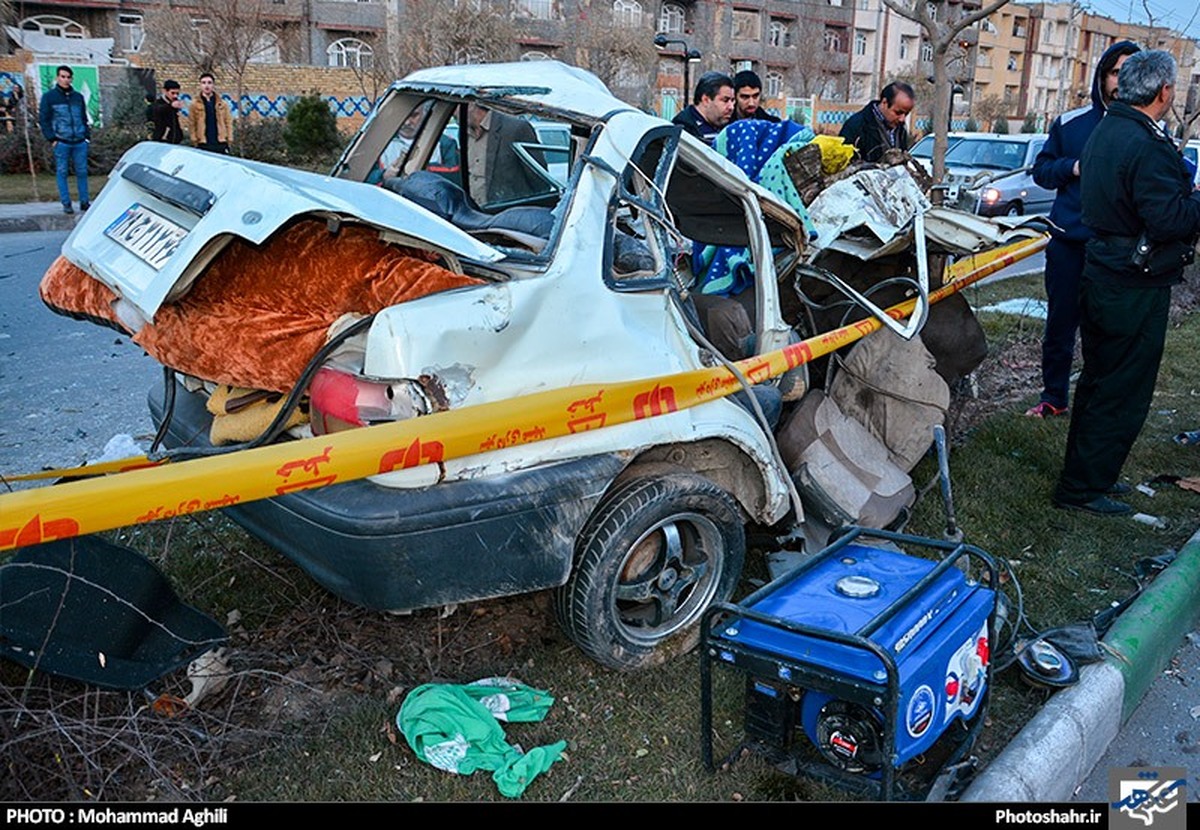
[76,156]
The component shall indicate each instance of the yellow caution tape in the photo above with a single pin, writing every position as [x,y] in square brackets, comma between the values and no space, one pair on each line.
[144,494]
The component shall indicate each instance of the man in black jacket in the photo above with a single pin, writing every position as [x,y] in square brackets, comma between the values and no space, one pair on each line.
[711,108]
[1144,215]
[879,126]
[164,115]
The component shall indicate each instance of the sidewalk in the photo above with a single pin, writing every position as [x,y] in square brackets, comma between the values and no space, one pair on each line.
[1055,752]
[35,216]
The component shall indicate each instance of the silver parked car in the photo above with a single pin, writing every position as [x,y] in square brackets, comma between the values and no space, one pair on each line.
[991,174]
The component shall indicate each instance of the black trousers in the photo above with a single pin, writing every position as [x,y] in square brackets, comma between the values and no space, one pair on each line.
[1064,265]
[1123,330]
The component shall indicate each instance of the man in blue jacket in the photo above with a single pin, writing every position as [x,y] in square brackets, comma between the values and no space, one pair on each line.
[1057,168]
[64,120]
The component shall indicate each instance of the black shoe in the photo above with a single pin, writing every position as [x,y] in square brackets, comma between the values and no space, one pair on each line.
[83,206]
[1099,506]
[68,209]
[1119,489]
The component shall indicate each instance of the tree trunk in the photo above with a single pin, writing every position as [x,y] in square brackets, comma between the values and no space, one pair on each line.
[941,111]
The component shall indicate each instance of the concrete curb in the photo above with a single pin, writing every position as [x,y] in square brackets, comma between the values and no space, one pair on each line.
[62,222]
[1052,755]
[35,216]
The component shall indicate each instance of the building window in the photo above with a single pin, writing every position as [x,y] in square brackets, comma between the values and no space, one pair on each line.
[534,55]
[905,48]
[627,13]
[671,20]
[931,10]
[743,66]
[536,9]
[780,33]
[927,51]
[988,26]
[1018,28]
[864,5]
[774,84]
[834,41]
[858,89]
[350,51]
[1048,32]
[53,26]
[1012,63]
[860,43]
[130,32]
[746,25]
[837,3]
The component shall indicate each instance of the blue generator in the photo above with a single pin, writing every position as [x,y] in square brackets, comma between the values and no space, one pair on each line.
[861,662]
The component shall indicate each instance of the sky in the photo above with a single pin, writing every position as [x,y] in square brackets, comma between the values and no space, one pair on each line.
[1180,15]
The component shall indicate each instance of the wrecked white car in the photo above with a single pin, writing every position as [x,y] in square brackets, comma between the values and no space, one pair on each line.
[456,256]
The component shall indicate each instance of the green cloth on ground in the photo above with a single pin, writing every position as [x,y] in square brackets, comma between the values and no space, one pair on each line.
[454,728]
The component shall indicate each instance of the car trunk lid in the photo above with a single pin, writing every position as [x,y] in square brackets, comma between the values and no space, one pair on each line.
[167,211]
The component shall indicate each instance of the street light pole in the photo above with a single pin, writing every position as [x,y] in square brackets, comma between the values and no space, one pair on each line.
[690,56]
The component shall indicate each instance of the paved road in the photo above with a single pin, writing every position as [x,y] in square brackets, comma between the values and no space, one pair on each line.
[66,386]
[1162,732]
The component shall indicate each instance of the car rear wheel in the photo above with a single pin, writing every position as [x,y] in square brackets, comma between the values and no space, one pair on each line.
[655,554]
[1014,209]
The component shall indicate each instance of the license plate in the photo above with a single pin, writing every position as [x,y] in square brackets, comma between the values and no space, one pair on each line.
[147,235]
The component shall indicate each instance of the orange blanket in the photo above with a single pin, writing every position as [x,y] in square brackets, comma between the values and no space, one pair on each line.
[258,314]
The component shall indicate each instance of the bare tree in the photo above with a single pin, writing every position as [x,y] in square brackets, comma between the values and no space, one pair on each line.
[990,109]
[622,56]
[376,74]
[942,23]
[1188,116]
[437,33]
[214,35]
[815,67]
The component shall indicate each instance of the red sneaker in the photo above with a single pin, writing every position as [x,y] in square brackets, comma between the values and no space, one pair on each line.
[1045,409]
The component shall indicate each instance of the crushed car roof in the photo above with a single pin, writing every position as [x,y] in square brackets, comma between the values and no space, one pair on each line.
[552,85]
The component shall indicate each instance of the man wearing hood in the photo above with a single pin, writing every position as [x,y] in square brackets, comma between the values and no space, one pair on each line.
[1057,168]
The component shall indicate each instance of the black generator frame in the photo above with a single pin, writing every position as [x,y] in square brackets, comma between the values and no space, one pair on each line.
[883,696]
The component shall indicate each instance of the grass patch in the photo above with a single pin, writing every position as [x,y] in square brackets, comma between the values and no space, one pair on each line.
[310,715]
[18,188]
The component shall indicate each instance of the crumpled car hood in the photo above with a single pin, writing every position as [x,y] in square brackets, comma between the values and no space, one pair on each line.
[250,200]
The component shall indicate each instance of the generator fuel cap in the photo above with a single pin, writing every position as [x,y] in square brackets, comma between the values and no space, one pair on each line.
[857,587]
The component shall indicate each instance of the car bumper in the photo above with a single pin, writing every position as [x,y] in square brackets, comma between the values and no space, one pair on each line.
[396,549]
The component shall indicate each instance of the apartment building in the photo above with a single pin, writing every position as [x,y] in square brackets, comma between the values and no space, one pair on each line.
[1000,63]
[314,32]
[1025,58]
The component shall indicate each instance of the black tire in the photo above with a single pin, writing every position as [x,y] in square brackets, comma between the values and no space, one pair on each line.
[652,557]
[1014,210]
